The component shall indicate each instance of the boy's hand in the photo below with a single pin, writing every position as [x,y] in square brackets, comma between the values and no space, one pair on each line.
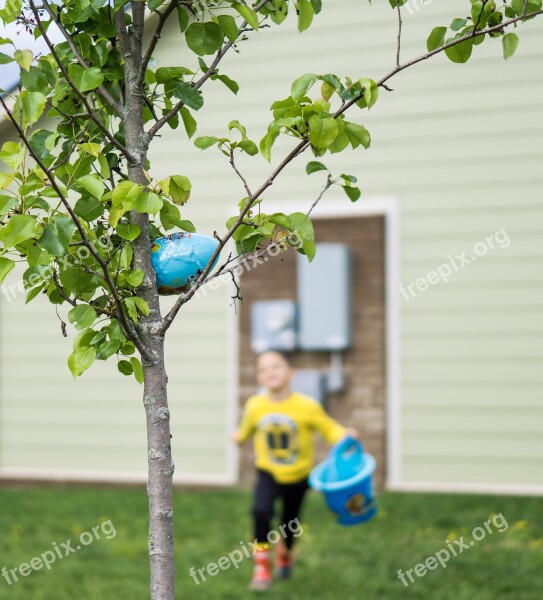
[235,437]
[353,432]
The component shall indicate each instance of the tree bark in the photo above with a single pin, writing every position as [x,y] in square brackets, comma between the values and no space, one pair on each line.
[155,398]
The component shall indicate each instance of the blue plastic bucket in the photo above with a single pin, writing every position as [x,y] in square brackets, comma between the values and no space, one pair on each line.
[345,478]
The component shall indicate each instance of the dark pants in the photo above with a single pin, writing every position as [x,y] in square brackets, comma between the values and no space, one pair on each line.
[265,493]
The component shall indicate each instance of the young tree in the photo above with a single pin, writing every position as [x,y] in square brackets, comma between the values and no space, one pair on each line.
[82,214]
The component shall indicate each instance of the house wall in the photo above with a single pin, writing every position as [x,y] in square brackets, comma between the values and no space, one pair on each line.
[459,146]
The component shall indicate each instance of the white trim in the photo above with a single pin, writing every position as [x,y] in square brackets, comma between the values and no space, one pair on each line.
[468,488]
[128,477]
[388,207]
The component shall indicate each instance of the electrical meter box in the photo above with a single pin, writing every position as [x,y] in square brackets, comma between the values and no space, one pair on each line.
[324,299]
[273,325]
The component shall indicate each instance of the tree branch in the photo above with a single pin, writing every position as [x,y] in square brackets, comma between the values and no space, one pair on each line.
[127,324]
[301,147]
[220,55]
[101,88]
[80,95]
[163,17]
[399,35]
[243,180]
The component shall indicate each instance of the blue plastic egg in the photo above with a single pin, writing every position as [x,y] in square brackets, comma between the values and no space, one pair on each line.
[179,258]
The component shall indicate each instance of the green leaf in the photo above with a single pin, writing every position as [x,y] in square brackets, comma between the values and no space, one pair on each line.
[19,229]
[24,58]
[357,135]
[180,188]
[141,305]
[301,85]
[249,147]
[148,202]
[81,359]
[266,143]
[183,18]
[82,316]
[188,121]
[436,39]
[305,14]
[460,53]
[304,227]
[510,42]
[5,59]
[93,184]
[371,91]
[137,368]
[154,4]
[204,38]
[135,277]
[57,236]
[125,367]
[232,85]
[85,79]
[11,11]
[6,266]
[89,209]
[33,105]
[128,231]
[314,166]
[125,194]
[352,192]
[248,14]
[457,24]
[228,24]
[108,349]
[12,154]
[323,132]
[188,95]
[205,142]
[131,309]
[76,281]
[282,220]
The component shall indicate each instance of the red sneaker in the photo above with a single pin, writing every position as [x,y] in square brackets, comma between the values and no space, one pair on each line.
[262,576]
[283,561]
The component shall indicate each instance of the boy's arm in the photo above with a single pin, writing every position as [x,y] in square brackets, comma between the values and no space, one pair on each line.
[246,427]
[329,428]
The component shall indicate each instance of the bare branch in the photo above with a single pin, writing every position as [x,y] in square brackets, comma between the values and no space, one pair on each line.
[327,186]
[244,181]
[399,35]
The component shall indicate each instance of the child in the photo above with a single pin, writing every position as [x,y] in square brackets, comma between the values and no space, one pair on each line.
[283,423]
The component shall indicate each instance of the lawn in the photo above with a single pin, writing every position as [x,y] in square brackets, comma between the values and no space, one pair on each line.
[334,562]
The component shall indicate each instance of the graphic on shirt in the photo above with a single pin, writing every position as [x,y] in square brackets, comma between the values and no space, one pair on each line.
[281,435]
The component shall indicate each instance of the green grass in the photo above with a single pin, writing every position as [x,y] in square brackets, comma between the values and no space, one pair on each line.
[351,563]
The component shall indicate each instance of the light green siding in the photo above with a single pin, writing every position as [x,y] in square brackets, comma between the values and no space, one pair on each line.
[459,146]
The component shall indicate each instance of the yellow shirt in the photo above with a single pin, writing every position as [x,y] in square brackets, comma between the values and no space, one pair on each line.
[283,433]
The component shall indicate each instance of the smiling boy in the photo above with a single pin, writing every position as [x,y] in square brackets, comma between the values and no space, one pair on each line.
[282,422]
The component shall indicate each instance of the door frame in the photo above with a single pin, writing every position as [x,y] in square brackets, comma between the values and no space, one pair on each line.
[337,207]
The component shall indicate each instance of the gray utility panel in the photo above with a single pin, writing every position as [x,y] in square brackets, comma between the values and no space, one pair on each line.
[324,299]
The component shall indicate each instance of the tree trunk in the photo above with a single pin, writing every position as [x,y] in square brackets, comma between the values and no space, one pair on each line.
[161,468]
[155,398]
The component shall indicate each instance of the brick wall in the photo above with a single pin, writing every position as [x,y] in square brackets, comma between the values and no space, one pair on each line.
[362,405]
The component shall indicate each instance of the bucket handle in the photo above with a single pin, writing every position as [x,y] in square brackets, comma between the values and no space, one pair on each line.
[346,443]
